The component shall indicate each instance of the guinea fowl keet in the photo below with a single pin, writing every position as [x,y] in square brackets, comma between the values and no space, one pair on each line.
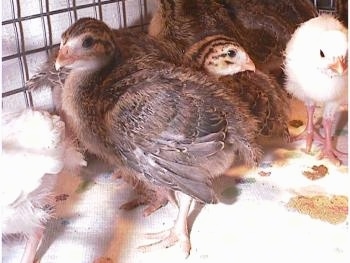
[131,44]
[316,73]
[222,57]
[261,27]
[171,127]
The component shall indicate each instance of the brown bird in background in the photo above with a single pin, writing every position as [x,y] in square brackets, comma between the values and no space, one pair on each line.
[172,127]
[267,102]
[222,57]
[261,27]
[187,22]
[341,10]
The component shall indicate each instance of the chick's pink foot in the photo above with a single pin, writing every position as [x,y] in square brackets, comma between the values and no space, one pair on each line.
[309,134]
[330,155]
[309,137]
[328,150]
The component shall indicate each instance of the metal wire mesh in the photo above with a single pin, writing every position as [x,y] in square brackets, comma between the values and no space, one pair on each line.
[31,28]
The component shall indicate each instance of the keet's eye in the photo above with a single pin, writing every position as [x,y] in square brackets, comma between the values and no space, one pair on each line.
[88,42]
[321,53]
[231,53]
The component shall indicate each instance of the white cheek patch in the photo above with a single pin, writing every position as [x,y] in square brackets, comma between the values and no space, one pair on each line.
[74,43]
[230,70]
[241,56]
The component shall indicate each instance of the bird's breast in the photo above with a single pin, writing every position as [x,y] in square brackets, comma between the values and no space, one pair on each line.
[317,86]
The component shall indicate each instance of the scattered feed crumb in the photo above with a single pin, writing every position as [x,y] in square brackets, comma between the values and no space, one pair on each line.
[318,171]
[262,173]
[296,123]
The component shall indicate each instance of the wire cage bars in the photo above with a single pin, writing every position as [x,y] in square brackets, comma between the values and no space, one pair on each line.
[31,28]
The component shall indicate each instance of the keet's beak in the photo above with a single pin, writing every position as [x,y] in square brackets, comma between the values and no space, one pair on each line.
[340,66]
[63,58]
[249,65]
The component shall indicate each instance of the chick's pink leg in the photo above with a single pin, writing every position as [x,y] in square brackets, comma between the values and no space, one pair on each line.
[309,134]
[32,246]
[328,150]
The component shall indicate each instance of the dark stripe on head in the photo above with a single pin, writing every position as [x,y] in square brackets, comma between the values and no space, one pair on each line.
[96,29]
[86,24]
[214,44]
[205,43]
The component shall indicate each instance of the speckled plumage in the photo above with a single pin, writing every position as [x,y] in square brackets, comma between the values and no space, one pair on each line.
[187,22]
[192,30]
[218,55]
[172,127]
[266,100]
[135,45]
[262,28]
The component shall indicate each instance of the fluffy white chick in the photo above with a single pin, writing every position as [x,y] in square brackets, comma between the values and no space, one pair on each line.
[316,73]
[34,152]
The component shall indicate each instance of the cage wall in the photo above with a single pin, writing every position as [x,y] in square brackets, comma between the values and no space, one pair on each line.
[31,28]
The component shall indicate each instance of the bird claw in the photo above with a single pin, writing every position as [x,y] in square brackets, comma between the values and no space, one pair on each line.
[331,155]
[309,137]
[168,238]
[159,235]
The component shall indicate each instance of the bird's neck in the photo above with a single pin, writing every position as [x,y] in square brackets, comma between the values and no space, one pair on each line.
[77,96]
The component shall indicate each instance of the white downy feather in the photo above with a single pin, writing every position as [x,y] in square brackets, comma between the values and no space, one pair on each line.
[308,75]
[34,152]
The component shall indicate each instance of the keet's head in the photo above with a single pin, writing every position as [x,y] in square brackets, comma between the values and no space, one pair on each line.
[220,55]
[88,44]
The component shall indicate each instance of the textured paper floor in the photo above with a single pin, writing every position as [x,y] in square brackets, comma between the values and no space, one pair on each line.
[251,224]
